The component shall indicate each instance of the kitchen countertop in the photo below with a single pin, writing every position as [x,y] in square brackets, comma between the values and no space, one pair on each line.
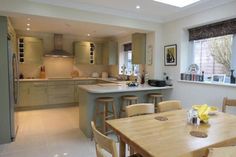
[67,79]
[118,87]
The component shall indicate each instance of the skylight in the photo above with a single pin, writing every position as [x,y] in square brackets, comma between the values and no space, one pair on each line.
[178,3]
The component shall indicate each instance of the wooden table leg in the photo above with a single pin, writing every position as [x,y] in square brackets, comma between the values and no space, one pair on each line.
[122,148]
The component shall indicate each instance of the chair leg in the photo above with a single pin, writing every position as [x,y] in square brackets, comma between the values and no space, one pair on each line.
[161,99]
[104,119]
[131,151]
[114,110]
[122,108]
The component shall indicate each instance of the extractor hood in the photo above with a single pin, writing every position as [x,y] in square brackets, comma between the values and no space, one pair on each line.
[58,48]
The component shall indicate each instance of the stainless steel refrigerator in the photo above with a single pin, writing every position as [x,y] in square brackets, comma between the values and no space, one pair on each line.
[13,88]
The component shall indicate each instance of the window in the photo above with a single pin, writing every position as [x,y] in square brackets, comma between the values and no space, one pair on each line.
[213,55]
[125,61]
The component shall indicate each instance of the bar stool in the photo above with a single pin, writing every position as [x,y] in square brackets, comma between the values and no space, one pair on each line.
[154,99]
[108,112]
[127,100]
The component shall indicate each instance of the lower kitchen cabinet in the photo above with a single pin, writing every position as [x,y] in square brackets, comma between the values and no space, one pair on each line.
[24,92]
[38,94]
[61,94]
[46,93]
[32,94]
[42,93]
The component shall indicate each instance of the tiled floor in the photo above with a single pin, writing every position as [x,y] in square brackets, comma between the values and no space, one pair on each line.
[49,133]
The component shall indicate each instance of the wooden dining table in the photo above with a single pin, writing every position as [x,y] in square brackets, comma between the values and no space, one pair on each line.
[168,134]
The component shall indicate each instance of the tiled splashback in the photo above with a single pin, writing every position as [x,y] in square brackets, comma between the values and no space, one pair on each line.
[61,67]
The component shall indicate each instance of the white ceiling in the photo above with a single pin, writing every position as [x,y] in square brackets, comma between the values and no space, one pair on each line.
[150,10]
[53,25]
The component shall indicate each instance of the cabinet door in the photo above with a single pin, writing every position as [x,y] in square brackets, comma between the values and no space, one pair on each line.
[82,52]
[38,94]
[24,92]
[110,53]
[33,50]
[61,94]
[98,53]
[139,48]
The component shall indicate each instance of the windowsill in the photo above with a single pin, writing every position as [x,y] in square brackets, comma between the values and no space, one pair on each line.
[209,83]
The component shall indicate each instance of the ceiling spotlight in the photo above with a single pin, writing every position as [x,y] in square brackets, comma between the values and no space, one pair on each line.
[88,35]
[28,24]
[137,7]
[28,29]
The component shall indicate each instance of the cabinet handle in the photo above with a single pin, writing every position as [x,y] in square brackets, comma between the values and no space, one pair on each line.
[28,91]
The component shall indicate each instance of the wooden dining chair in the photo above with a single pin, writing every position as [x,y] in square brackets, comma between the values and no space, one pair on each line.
[229,151]
[140,109]
[228,102]
[170,105]
[105,144]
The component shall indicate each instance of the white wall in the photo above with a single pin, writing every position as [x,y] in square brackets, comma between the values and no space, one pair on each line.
[176,33]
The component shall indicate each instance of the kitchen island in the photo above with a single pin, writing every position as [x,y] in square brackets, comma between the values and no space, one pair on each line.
[89,93]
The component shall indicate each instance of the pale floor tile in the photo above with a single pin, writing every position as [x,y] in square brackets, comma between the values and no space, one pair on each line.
[49,133]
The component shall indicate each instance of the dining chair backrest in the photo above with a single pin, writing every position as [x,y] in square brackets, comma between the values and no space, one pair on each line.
[103,142]
[170,105]
[228,102]
[140,109]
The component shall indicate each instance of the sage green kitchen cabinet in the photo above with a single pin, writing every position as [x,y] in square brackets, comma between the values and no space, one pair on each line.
[110,53]
[24,94]
[32,94]
[82,52]
[33,50]
[38,94]
[98,53]
[139,48]
[61,92]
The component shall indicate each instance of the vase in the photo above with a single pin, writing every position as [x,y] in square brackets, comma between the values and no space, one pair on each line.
[232,78]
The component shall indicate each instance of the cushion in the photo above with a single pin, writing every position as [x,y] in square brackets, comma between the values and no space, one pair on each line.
[222,152]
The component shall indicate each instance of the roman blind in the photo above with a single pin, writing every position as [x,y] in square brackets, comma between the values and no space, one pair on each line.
[128,47]
[213,30]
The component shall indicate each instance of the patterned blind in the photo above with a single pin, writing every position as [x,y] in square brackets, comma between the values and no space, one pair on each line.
[213,30]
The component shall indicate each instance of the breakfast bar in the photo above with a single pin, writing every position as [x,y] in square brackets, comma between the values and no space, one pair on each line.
[89,93]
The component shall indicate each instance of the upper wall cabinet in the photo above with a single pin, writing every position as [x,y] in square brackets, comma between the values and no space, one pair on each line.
[30,50]
[87,52]
[139,48]
[110,53]
[98,53]
[82,52]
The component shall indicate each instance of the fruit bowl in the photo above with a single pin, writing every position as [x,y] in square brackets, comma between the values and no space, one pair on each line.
[132,84]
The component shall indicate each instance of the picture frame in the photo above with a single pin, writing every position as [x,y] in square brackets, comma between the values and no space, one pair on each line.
[220,78]
[170,55]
